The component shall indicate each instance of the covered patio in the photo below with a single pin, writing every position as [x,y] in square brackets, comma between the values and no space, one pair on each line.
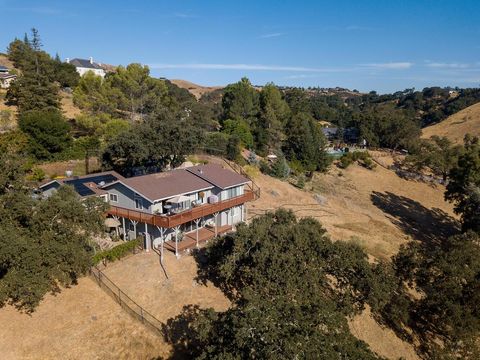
[189,240]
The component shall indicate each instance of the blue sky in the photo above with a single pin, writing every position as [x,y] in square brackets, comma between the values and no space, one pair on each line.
[367,45]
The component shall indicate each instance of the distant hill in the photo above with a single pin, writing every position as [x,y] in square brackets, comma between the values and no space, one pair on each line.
[457,125]
[197,90]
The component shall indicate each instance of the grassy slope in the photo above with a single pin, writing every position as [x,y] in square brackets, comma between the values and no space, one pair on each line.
[457,125]
[68,108]
[196,90]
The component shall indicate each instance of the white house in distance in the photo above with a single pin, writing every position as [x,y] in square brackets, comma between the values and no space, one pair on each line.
[84,65]
[5,77]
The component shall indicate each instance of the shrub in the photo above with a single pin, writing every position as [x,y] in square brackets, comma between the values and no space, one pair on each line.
[251,170]
[116,252]
[301,181]
[361,157]
[296,166]
[368,163]
[280,168]
[345,161]
[48,132]
[37,174]
[264,167]
[6,120]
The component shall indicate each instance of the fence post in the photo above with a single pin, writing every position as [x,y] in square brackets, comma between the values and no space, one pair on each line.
[119,296]
[141,313]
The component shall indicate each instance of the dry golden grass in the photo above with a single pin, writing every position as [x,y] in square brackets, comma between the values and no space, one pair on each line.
[380,339]
[58,169]
[70,111]
[5,62]
[82,322]
[196,90]
[376,208]
[456,126]
[85,323]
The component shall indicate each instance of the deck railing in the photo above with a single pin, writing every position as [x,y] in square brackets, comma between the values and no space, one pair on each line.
[169,221]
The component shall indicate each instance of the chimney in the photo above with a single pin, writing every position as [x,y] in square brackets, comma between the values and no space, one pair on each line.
[67,60]
[91,60]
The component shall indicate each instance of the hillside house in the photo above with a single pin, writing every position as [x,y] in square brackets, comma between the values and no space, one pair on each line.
[330,133]
[175,209]
[4,70]
[83,66]
[6,80]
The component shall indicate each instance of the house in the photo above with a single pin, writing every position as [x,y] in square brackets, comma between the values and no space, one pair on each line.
[330,133]
[175,209]
[6,79]
[83,66]
[3,70]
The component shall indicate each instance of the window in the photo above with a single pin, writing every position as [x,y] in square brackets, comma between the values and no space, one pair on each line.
[113,197]
[138,204]
[232,192]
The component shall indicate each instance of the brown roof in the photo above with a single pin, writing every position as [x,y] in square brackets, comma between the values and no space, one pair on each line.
[166,184]
[218,176]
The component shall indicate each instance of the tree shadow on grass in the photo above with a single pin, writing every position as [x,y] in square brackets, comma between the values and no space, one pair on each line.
[178,332]
[427,225]
[208,261]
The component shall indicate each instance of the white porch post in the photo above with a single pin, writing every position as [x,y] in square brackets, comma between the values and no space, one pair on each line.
[162,240]
[176,240]
[116,228]
[147,238]
[124,230]
[196,228]
[215,217]
[134,227]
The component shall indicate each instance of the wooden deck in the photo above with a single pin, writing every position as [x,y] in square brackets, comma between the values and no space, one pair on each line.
[169,221]
[189,240]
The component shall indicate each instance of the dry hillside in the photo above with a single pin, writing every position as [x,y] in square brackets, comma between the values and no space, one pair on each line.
[5,62]
[457,125]
[374,208]
[196,90]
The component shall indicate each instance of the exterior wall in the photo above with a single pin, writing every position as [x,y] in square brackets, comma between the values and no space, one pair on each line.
[230,192]
[157,207]
[5,83]
[82,71]
[126,198]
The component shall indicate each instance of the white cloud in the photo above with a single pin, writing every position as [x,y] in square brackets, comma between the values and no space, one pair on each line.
[437,65]
[184,15]
[272,35]
[250,67]
[390,65]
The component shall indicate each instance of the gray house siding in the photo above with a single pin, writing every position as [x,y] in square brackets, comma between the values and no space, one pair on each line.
[126,198]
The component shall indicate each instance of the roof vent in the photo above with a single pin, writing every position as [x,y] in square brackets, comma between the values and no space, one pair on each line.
[101,183]
[200,171]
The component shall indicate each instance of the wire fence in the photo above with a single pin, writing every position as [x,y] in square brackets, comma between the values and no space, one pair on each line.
[126,302]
